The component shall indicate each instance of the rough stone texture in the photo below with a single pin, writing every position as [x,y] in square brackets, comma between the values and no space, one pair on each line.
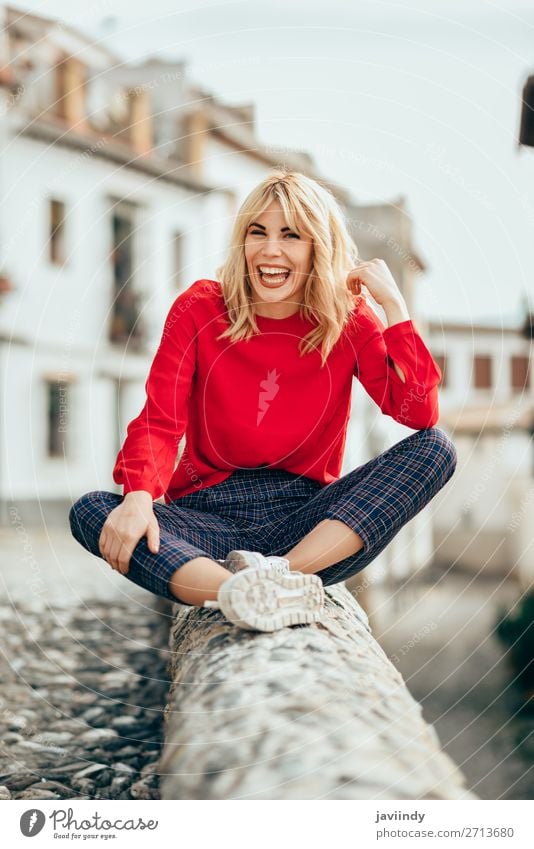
[309,712]
[82,698]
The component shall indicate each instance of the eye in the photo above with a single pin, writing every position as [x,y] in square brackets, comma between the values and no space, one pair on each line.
[261,233]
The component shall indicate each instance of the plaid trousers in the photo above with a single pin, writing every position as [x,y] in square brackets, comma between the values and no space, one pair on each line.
[270,510]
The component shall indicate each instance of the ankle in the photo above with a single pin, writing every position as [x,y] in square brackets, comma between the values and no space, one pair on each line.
[295,565]
[198,580]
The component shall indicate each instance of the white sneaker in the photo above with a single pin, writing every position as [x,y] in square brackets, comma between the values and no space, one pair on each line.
[266,598]
[237,560]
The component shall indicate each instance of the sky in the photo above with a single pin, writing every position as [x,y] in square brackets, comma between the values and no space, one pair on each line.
[419,99]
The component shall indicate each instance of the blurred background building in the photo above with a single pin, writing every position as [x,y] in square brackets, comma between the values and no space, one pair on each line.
[485,521]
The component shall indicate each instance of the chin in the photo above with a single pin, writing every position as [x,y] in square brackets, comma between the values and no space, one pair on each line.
[271,295]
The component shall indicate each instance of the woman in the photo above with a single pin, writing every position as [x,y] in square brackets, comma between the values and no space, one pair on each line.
[256,369]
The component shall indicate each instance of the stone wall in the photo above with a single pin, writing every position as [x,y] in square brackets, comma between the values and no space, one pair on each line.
[309,712]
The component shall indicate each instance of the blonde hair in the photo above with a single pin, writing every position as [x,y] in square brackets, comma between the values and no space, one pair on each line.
[311,209]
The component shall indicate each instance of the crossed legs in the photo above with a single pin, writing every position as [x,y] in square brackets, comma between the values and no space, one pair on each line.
[337,532]
[328,542]
[346,524]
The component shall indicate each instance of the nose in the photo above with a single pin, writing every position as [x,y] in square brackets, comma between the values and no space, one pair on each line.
[272,247]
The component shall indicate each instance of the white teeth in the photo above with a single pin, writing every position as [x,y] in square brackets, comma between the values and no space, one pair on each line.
[265,270]
[273,276]
[276,279]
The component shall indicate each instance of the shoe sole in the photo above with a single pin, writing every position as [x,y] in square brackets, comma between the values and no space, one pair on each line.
[264,600]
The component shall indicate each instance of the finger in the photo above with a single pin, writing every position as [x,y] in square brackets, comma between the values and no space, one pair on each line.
[153,538]
[355,283]
[114,551]
[105,553]
[123,563]
[102,543]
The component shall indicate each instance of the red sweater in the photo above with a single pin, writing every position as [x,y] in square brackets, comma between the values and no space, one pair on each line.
[257,402]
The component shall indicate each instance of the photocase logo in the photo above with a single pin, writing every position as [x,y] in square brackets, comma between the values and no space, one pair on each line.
[269,388]
[32,822]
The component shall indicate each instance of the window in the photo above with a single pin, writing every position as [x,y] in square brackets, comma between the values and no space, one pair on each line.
[441,361]
[61,88]
[57,232]
[57,400]
[177,260]
[482,369]
[69,100]
[520,372]
[119,433]
[126,326]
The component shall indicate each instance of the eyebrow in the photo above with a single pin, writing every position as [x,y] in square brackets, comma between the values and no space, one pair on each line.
[255,224]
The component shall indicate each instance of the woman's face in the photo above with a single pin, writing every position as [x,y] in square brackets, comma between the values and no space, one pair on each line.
[271,246]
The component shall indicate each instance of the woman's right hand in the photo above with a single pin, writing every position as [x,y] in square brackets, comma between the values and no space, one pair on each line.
[131,520]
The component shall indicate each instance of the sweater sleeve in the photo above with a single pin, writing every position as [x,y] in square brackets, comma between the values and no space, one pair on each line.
[413,403]
[148,455]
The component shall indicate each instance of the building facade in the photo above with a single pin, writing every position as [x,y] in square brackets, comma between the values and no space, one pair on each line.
[483,520]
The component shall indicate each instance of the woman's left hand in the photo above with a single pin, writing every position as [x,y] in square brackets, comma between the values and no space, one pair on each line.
[378,279]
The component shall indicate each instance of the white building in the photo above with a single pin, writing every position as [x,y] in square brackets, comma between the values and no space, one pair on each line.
[483,521]
[91,221]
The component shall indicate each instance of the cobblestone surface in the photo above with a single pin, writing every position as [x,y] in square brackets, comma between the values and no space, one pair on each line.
[83,691]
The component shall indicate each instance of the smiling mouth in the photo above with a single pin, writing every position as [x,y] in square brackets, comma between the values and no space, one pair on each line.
[273,279]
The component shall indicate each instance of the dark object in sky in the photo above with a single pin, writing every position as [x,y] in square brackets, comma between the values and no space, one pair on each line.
[528,327]
[526,133]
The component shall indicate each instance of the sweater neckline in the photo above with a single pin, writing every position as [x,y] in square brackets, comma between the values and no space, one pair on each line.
[294,318]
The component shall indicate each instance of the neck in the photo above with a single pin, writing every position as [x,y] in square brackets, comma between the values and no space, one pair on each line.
[276,310]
